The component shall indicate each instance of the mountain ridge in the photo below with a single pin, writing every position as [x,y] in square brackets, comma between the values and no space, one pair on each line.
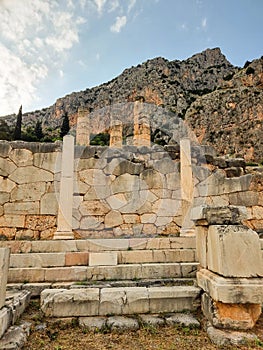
[189,88]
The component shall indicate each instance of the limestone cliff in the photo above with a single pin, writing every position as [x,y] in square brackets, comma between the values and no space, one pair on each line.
[222,103]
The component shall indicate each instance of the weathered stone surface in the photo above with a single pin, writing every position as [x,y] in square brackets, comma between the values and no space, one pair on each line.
[12,220]
[208,215]
[93,323]
[112,301]
[228,338]
[6,185]
[152,320]
[113,219]
[125,183]
[95,207]
[40,222]
[49,204]
[4,266]
[120,323]
[227,290]
[230,316]
[128,167]
[15,337]
[30,174]
[201,245]
[248,198]
[6,167]
[28,192]
[234,251]
[21,208]
[103,259]
[21,157]
[151,179]
[72,302]
[48,161]
[183,320]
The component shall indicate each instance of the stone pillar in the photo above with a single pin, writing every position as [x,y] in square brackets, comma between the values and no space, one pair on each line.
[64,220]
[4,265]
[116,133]
[231,269]
[83,127]
[187,188]
[142,130]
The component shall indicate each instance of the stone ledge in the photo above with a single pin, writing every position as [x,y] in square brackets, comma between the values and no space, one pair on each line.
[118,300]
[231,290]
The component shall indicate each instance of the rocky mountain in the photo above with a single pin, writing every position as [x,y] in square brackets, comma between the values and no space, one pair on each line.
[222,103]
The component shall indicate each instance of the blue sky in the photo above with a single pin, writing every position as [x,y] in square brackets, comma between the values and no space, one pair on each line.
[50,48]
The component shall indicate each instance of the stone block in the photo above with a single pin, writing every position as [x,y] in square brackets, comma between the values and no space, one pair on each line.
[37,260]
[103,259]
[136,256]
[152,320]
[188,270]
[172,299]
[47,161]
[54,274]
[70,303]
[230,316]
[248,198]
[21,208]
[93,322]
[201,245]
[11,220]
[49,204]
[226,338]
[21,157]
[112,301]
[183,320]
[6,185]
[5,320]
[120,323]
[76,258]
[24,275]
[137,301]
[226,215]
[113,219]
[229,290]
[30,174]
[234,251]
[6,167]
[4,266]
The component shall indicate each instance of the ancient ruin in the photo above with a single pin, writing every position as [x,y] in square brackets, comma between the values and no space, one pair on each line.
[160,228]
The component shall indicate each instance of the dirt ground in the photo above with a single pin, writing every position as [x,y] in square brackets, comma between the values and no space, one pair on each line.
[52,334]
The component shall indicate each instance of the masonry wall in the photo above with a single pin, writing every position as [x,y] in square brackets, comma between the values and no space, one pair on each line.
[118,192]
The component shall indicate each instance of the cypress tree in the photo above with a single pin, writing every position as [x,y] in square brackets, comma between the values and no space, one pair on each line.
[65,125]
[17,131]
[38,131]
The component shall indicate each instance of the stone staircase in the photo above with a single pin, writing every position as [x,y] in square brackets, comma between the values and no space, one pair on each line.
[107,276]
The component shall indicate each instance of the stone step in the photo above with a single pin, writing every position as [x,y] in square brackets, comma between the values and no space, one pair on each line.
[86,302]
[99,245]
[59,259]
[15,304]
[100,273]
[36,288]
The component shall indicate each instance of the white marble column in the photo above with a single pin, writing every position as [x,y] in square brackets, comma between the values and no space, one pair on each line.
[83,127]
[64,220]
[187,188]
[4,265]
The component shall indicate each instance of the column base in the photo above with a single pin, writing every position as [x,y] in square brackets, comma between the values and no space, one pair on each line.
[63,235]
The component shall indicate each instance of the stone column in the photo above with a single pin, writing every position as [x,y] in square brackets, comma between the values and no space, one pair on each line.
[142,130]
[4,265]
[116,133]
[83,127]
[231,270]
[187,188]
[64,220]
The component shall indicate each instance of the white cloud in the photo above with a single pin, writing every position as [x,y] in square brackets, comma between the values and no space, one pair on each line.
[100,5]
[34,37]
[119,24]
[131,5]
[114,4]
[204,22]
[61,73]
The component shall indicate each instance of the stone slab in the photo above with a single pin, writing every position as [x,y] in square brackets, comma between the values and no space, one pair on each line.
[4,265]
[214,215]
[103,259]
[234,251]
[229,290]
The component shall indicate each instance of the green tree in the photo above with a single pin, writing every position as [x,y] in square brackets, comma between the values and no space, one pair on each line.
[65,126]
[17,132]
[38,130]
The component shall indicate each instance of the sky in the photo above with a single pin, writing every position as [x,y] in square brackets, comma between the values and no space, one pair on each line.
[50,48]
